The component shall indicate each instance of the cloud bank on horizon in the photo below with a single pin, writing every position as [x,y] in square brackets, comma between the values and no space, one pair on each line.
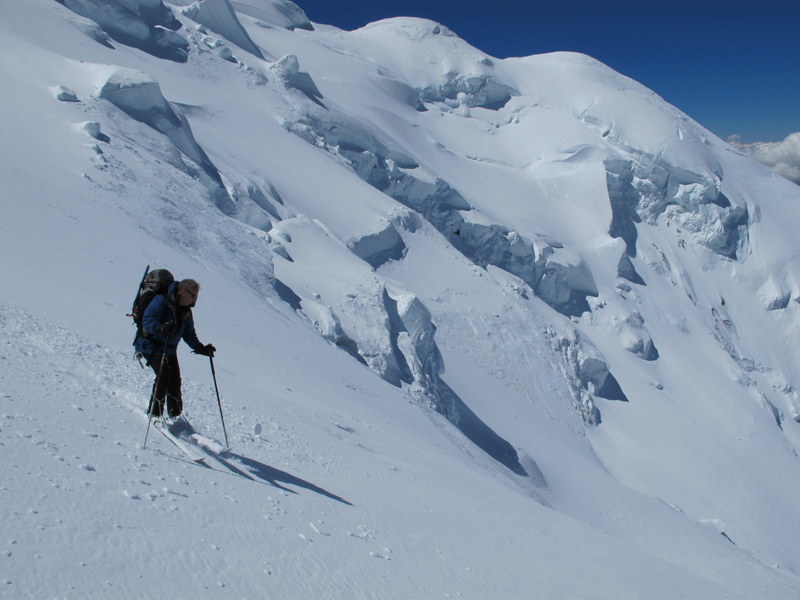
[782,157]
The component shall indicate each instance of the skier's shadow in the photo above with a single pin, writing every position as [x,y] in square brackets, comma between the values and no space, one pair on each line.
[273,476]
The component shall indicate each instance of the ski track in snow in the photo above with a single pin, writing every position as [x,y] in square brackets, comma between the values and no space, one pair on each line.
[72,448]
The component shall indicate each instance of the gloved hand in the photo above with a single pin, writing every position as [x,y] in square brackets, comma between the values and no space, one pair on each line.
[207,350]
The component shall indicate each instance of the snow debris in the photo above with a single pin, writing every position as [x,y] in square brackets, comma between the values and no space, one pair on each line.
[64,94]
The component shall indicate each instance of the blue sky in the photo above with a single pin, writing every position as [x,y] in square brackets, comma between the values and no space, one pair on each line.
[732,65]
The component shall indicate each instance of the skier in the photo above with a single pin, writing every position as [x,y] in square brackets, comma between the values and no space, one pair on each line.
[166,320]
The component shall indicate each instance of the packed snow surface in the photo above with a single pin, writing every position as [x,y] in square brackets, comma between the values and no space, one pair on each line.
[486,328]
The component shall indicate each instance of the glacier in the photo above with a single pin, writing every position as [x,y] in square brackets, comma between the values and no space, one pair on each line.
[483,323]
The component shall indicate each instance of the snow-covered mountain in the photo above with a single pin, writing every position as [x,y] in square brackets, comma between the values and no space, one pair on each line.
[486,328]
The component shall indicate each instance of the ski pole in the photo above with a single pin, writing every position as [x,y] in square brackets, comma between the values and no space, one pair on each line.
[219,402]
[153,395]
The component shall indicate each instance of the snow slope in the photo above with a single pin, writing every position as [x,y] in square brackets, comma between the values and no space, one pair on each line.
[486,328]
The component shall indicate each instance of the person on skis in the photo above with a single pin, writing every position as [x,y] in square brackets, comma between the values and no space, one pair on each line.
[166,321]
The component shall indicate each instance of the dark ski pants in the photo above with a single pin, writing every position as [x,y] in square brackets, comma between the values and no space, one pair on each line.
[167,385]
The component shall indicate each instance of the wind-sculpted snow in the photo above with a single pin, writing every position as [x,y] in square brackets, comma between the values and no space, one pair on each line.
[354,141]
[92,30]
[287,70]
[219,16]
[139,96]
[144,24]
[272,13]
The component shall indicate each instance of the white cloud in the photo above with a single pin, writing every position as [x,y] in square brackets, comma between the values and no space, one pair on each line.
[782,157]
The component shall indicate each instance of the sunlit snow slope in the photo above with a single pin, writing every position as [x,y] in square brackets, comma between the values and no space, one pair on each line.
[486,328]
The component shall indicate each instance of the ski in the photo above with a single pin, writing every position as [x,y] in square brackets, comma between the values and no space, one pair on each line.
[185,432]
[182,429]
[192,453]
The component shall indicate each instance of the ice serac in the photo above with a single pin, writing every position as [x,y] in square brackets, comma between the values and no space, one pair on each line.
[386,328]
[471,91]
[415,338]
[380,247]
[283,13]
[219,16]
[287,70]
[139,96]
[145,24]
[564,285]
[646,190]
[587,373]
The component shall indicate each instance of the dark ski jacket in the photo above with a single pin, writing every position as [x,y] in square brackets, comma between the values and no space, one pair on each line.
[164,310]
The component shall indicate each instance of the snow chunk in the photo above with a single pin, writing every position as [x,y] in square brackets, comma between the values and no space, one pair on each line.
[219,16]
[472,91]
[64,94]
[144,24]
[587,372]
[282,13]
[634,337]
[425,360]
[92,128]
[595,371]
[380,247]
[773,295]
[139,95]
[624,200]
[287,69]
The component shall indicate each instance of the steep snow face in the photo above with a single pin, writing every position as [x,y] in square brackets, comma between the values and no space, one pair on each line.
[139,96]
[274,13]
[219,16]
[523,294]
